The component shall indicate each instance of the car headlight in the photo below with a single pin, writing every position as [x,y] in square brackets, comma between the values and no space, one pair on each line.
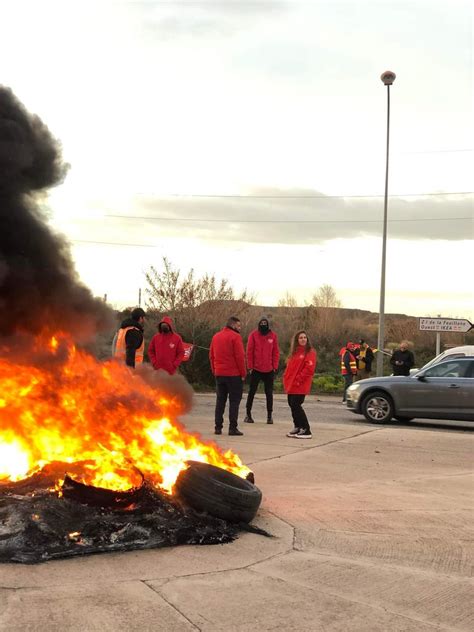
[353,393]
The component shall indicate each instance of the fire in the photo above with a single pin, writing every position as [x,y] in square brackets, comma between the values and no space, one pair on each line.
[14,461]
[74,409]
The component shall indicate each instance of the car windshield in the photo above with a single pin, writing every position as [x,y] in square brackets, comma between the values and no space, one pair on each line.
[440,357]
[451,368]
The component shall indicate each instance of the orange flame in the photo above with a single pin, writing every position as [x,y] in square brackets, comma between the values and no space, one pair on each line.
[76,409]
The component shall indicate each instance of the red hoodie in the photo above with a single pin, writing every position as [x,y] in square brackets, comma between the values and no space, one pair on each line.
[262,351]
[299,371]
[227,354]
[166,351]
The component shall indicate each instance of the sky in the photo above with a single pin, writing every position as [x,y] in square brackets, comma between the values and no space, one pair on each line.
[248,139]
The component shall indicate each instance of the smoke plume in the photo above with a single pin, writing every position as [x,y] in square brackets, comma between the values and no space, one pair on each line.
[39,287]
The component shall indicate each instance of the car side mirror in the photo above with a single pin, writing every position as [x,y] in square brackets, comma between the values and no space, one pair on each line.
[420,376]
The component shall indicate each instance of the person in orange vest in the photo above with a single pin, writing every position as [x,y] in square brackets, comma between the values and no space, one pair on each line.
[166,349]
[129,344]
[348,366]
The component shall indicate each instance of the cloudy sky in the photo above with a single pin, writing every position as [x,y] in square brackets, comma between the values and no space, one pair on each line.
[248,139]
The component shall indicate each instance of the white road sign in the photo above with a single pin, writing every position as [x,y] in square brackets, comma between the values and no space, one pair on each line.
[445,324]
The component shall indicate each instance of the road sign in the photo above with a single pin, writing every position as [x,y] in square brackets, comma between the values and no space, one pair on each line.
[445,324]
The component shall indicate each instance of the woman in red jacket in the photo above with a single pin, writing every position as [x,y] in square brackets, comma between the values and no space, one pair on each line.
[297,381]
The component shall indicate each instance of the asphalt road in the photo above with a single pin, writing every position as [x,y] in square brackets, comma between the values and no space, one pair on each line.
[322,409]
[372,532]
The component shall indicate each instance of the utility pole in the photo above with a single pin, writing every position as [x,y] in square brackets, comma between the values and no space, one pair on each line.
[388,77]
[139,297]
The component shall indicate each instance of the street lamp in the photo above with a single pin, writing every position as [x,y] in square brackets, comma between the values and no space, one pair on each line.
[388,77]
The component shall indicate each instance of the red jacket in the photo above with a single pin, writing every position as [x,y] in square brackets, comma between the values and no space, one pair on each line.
[166,351]
[227,354]
[263,353]
[299,372]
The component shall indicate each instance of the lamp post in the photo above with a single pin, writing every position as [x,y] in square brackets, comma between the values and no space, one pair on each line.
[388,77]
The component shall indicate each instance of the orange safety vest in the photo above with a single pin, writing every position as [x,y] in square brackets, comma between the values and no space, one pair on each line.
[352,364]
[120,347]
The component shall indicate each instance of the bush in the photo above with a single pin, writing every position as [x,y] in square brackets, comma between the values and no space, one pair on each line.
[328,383]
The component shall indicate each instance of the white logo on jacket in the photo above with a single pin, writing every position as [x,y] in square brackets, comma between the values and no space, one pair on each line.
[270,340]
[171,345]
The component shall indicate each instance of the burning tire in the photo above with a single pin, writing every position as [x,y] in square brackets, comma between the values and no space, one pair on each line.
[220,493]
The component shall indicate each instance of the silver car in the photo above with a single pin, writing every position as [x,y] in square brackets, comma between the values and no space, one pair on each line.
[441,391]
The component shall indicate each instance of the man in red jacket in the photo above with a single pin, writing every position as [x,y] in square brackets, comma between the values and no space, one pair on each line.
[227,359]
[166,350]
[263,356]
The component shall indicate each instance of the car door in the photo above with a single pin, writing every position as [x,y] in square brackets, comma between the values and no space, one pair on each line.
[444,390]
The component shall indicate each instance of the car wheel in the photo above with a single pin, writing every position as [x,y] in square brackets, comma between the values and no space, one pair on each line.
[401,418]
[377,407]
[222,494]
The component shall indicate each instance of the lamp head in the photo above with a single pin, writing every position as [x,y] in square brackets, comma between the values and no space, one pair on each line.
[388,77]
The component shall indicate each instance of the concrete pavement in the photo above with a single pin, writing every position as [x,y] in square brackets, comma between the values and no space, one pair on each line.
[372,526]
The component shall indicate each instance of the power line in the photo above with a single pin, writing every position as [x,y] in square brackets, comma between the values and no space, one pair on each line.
[433,151]
[110,243]
[298,197]
[369,221]
[283,221]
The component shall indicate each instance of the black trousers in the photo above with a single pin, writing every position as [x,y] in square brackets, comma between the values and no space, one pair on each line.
[228,386]
[267,379]
[295,402]
[348,379]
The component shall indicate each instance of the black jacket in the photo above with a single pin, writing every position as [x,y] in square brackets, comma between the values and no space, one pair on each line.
[407,360]
[133,340]
[368,359]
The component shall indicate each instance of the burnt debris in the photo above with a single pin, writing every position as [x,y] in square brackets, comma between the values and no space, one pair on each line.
[41,525]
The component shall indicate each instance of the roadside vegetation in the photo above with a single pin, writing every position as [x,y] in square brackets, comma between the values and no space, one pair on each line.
[200,306]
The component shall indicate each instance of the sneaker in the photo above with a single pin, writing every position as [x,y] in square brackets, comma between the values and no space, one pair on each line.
[248,419]
[304,434]
[235,432]
[218,431]
[269,419]
[293,432]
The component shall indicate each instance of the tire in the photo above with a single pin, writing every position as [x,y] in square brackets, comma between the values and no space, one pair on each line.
[402,418]
[377,407]
[220,493]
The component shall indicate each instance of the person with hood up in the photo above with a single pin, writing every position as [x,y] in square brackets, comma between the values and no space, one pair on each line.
[297,381]
[348,366]
[166,349]
[263,356]
[128,344]
[227,358]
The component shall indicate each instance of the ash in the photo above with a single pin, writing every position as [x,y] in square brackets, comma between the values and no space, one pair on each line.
[41,525]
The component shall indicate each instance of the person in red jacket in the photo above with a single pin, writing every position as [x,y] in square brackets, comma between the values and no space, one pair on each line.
[166,350]
[297,381]
[263,356]
[227,359]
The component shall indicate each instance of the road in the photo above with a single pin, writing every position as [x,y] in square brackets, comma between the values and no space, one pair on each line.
[372,526]
[322,409]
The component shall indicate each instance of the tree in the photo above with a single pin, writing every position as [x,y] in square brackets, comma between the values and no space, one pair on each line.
[288,300]
[325,296]
[169,291]
[199,307]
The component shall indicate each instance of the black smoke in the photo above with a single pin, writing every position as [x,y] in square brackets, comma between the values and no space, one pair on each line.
[39,287]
